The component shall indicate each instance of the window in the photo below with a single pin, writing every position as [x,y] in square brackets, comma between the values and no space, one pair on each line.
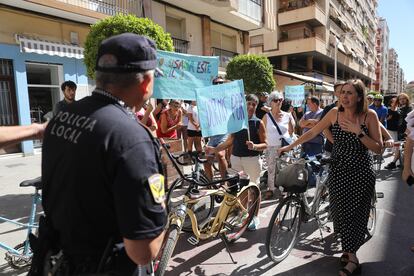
[8,106]
[43,82]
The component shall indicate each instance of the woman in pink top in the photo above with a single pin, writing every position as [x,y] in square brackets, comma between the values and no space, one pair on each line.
[170,121]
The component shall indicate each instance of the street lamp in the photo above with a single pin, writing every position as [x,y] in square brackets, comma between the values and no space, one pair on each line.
[337,41]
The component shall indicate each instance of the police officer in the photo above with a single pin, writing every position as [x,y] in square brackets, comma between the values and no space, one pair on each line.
[102,188]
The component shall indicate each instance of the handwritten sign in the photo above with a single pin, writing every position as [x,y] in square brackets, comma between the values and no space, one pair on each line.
[181,74]
[295,93]
[222,108]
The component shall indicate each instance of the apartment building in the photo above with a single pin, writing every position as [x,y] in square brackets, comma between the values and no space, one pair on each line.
[310,33]
[209,27]
[392,72]
[382,48]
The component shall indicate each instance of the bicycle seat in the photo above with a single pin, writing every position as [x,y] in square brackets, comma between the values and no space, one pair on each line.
[36,182]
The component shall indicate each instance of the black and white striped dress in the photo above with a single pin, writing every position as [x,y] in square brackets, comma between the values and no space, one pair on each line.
[351,184]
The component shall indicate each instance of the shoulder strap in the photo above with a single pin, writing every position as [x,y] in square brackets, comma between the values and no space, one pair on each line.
[274,122]
[365,117]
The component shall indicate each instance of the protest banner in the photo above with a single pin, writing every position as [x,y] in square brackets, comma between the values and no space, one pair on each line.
[181,74]
[295,93]
[222,108]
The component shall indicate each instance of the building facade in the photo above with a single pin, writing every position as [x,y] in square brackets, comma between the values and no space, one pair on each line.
[41,46]
[310,33]
[393,72]
[382,48]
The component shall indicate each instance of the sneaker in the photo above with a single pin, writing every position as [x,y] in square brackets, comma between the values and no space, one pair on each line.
[390,166]
[253,224]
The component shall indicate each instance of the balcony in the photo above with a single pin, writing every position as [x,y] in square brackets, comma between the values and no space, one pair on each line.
[240,14]
[85,11]
[180,45]
[313,43]
[311,13]
[108,7]
[224,56]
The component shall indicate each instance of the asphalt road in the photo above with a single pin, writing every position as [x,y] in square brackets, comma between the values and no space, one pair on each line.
[387,253]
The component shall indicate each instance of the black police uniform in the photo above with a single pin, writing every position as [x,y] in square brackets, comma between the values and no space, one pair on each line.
[95,166]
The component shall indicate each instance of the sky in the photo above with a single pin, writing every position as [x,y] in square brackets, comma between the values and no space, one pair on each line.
[399,15]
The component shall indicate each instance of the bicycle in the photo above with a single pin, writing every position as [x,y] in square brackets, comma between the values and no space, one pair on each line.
[240,200]
[20,255]
[296,208]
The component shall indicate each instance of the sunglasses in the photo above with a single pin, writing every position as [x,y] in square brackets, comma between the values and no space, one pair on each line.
[277,100]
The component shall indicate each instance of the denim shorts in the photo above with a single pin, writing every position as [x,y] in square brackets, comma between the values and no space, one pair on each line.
[216,140]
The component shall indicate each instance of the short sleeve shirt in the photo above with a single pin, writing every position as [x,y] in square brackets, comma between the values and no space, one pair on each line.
[96,163]
[382,113]
[314,115]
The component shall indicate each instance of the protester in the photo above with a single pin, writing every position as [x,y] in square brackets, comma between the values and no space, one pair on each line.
[145,116]
[193,129]
[408,171]
[10,135]
[170,120]
[328,132]
[161,106]
[370,99]
[246,153]
[182,132]
[214,141]
[286,124]
[393,118]
[351,180]
[262,108]
[102,193]
[404,109]
[308,121]
[69,92]
[380,109]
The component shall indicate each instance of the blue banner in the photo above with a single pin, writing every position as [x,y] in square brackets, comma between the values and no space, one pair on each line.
[295,93]
[181,74]
[222,108]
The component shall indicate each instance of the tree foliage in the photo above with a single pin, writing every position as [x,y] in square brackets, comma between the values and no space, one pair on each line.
[122,24]
[255,71]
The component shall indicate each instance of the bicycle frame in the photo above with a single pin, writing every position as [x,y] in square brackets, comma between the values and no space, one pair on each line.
[36,199]
[216,226]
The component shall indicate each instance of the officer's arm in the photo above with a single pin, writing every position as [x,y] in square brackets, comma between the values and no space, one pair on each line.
[143,251]
[14,134]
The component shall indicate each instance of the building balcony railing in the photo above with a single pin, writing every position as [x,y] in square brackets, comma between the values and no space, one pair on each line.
[305,35]
[310,12]
[180,45]
[296,4]
[108,7]
[224,56]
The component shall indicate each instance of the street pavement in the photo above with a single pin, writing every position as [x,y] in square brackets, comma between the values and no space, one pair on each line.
[387,253]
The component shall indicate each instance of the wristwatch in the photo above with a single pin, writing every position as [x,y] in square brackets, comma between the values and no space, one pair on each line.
[362,134]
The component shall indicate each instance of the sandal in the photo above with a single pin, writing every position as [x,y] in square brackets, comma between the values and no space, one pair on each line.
[344,259]
[356,271]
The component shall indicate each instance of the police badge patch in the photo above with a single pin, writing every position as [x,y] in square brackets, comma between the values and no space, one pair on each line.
[156,183]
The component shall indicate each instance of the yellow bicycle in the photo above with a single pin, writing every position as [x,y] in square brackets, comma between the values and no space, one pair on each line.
[240,201]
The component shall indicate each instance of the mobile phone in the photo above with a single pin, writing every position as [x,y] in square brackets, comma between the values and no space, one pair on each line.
[410,180]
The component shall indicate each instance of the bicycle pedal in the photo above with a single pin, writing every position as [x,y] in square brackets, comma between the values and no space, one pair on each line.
[193,241]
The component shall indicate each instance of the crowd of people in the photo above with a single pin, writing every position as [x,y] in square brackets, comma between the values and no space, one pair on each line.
[104,187]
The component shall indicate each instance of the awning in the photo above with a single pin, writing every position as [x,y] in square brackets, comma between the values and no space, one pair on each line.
[305,79]
[333,12]
[44,47]
[341,47]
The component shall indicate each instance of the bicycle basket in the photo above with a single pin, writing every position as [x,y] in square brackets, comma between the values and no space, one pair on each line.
[293,177]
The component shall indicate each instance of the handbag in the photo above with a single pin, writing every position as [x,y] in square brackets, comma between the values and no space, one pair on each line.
[284,140]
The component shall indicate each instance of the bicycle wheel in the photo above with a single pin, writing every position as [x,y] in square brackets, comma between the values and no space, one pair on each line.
[283,229]
[372,219]
[237,219]
[202,210]
[166,251]
[322,212]
[19,261]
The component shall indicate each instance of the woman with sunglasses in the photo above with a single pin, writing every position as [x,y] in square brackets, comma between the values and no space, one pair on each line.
[170,121]
[351,180]
[286,124]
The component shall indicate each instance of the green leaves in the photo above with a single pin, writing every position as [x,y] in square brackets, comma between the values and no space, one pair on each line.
[122,24]
[255,71]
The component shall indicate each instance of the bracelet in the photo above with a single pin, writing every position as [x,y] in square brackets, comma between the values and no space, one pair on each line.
[254,147]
